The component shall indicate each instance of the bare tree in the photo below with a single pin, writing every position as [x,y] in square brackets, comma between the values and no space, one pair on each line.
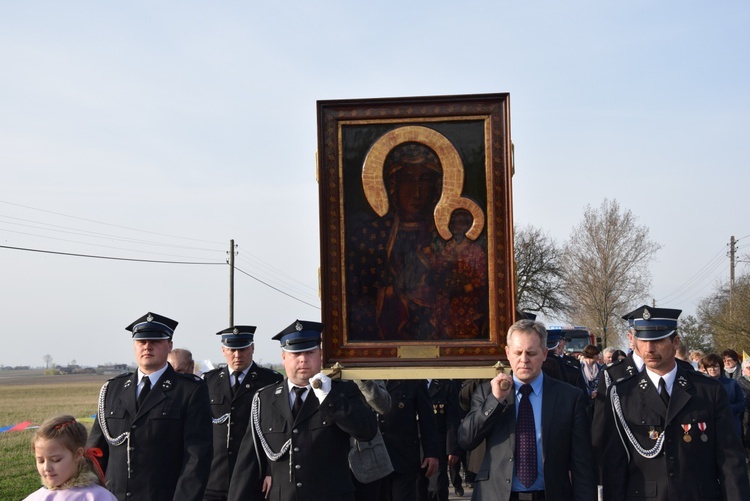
[47,360]
[539,272]
[606,268]
[727,315]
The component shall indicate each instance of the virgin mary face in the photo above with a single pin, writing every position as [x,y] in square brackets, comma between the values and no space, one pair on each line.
[416,192]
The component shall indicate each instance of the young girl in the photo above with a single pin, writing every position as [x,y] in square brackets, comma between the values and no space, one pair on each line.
[69,471]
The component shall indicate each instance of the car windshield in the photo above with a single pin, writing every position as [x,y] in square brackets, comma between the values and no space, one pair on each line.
[576,344]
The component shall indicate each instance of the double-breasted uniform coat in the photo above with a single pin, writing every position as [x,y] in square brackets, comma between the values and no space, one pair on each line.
[693,453]
[314,465]
[167,454]
[231,414]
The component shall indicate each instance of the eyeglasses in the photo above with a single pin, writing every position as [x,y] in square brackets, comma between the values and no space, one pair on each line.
[716,367]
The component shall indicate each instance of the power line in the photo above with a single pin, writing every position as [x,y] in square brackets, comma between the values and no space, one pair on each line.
[697,279]
[105,257]
[88,233]
[84,243]
[276,289]
[108,224]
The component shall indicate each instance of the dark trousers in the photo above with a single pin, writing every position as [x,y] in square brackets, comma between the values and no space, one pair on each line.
[455,470]
[399,487]
[434,488]
[215,495]
[366,492]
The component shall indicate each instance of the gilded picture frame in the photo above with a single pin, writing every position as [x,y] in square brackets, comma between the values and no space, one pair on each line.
[416,230]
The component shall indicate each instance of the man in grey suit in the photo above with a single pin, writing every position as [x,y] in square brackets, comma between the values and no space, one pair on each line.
[538,438]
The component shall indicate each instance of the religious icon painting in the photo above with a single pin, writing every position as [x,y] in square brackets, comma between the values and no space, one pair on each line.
[416,230]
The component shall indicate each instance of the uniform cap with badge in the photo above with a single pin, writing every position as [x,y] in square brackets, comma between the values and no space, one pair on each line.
[152,326]
[237,337]
[652,324]
[301,336]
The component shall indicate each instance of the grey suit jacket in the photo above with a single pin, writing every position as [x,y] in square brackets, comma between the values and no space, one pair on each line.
[569,471]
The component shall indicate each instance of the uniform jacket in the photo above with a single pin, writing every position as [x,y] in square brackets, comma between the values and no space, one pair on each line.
[447,410]
[318,468]
[569,472]
[617,371]
[403,432]
[228,431]
[170,438]
[708,464]
[565,368]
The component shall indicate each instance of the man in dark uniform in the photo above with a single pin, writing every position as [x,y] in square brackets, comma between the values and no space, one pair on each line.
[624,368]
[447,411]
[302,427]
[154,425]
[666,427]
[561,366]
[411,436]
[231,390]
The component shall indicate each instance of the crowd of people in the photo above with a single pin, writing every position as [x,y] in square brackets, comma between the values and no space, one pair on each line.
[655,423]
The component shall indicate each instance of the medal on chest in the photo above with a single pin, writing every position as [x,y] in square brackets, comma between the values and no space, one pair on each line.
[686,428]
[702,428]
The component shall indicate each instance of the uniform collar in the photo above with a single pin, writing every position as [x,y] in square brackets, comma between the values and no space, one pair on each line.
[669,378]
[154,376]
[639,363]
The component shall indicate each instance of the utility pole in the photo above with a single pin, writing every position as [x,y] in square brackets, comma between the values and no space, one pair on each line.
[732,249]
[231,282]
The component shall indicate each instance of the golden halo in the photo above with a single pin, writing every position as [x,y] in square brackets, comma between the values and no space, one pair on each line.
[453,177]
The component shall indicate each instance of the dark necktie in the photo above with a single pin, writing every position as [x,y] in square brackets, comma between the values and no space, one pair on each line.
[236,386]
[525,439]
[663,391]
[297,405]
[144,391]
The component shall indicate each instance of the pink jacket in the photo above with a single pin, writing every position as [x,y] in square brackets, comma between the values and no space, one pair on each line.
[89,493]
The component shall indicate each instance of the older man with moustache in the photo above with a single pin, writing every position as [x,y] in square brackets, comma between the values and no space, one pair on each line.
[667,428]
[538,444]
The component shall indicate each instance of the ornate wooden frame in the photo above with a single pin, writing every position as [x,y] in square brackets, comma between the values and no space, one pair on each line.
[470,134]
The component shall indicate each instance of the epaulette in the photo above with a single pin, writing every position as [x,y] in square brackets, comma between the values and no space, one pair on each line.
[278,388]
[570,363]
[123,375]
[215,369]
[190,377]
[626,377]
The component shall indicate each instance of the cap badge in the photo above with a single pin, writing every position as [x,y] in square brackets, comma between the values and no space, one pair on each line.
[646,314]
[150,318]
[235,331]
[298,326]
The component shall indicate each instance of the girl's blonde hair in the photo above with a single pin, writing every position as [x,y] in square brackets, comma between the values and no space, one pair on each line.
[72,435]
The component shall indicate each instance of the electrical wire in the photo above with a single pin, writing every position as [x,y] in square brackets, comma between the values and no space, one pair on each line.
[112,258]
[275,288]
[708,270]
[108,224]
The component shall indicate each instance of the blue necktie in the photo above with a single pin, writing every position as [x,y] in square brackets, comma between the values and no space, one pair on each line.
[525,439]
